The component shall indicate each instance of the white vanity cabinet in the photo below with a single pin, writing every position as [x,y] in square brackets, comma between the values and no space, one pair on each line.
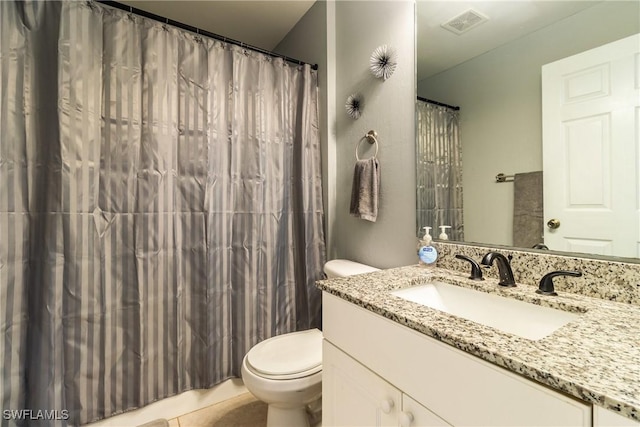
[355,396]
[365,351]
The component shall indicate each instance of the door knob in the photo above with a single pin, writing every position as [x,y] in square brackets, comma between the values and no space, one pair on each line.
[553,223]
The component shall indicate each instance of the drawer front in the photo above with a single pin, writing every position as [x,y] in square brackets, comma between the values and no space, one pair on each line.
[460,388]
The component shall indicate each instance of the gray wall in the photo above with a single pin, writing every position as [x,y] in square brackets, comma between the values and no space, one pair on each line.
[500,98]
[499,93]
[340,37]
[389,108]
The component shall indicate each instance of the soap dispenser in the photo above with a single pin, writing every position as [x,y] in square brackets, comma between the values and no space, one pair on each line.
[427,253]
[443,232]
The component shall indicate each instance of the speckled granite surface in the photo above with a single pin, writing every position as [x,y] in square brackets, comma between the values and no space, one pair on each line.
[596,359]
[610,280]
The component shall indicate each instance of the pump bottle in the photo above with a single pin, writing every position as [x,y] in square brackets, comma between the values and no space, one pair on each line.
[427,253]
[443,232]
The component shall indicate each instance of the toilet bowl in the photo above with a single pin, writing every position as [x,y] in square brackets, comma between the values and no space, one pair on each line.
[285,371]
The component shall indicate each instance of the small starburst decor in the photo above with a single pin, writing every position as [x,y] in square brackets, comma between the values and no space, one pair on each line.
[354,106]
[383,62]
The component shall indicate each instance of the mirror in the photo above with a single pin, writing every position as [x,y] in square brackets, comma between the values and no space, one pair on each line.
[493,73]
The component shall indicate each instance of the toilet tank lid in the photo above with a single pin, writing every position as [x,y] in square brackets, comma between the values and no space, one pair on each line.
[344,267]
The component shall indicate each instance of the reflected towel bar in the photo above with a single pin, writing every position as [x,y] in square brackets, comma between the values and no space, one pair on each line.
[504,178]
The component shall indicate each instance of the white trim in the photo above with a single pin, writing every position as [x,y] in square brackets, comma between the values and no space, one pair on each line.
[176,406]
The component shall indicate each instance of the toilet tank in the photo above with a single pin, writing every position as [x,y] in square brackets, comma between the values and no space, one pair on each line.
[344,267]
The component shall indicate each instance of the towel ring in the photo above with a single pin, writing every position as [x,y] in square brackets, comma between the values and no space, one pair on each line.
[372,138]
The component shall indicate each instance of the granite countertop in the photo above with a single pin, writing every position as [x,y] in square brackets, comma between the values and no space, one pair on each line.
[595,359]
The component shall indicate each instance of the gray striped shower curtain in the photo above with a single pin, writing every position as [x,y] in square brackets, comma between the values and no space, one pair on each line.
[160,209]
[438,170]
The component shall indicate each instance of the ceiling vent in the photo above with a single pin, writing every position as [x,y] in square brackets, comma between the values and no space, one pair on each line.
[465,21]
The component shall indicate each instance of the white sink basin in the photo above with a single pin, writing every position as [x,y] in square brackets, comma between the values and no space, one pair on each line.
[505,314]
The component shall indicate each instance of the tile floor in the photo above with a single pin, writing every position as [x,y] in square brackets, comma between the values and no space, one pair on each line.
[240,411]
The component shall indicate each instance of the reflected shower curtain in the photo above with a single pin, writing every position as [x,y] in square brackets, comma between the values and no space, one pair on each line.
[160,209]
[438,170]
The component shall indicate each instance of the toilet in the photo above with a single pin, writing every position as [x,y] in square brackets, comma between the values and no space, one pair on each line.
[285,371]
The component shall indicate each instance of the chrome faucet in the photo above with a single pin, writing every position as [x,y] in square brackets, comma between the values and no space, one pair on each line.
[504,268]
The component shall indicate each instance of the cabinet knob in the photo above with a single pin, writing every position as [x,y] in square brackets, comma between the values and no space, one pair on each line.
[387,405]
[406,418]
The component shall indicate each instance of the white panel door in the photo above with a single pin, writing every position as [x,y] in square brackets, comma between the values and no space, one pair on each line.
[354,396]
[591,124]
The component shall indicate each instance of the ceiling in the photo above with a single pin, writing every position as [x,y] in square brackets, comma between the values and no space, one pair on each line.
[264,23]
[439,49]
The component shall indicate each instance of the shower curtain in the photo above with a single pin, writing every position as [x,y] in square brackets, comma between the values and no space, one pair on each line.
[160,209]
[439,170]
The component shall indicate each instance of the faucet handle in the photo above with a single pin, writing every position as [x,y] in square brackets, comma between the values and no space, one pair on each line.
[546,283]
[476,271]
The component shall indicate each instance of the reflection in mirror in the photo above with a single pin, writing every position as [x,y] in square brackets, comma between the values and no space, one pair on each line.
[493,72]
[439,158]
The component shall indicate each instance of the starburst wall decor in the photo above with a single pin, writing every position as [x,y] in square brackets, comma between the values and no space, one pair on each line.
[383,62]
[354,106]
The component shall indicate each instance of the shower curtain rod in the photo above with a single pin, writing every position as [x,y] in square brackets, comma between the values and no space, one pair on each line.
[453,107]
[196,30]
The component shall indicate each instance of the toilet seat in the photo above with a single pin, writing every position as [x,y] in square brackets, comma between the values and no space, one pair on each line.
[288,356]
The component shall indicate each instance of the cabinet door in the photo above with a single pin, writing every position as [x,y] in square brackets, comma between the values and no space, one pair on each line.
[605,418]
[415,415]
[352,395]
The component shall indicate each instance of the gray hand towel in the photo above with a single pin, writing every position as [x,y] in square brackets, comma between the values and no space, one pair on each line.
[528,226]
[364,191]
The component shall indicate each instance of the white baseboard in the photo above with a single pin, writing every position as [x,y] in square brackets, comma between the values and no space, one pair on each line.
[176,406]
